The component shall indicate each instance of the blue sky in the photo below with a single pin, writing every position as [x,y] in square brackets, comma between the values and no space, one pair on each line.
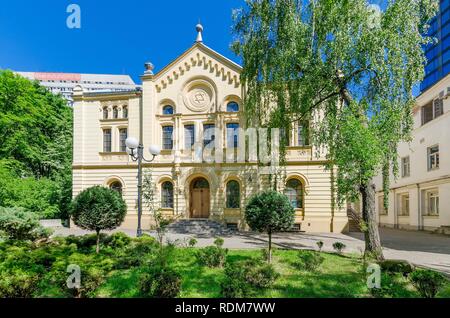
[116,37]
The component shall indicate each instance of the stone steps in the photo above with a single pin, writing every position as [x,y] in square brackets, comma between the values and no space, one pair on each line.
[199,227]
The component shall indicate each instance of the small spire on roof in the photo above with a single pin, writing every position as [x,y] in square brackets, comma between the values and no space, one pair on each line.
[199,28]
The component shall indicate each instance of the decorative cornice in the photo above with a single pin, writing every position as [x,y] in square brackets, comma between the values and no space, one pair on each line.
[206,57]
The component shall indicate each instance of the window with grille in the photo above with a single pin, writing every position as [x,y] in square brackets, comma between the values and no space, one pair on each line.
[167,138]
[123,133]
[294,191]
[107,145]
[167,195]
[209,136]
[189,137]
[233,195]
[232,135]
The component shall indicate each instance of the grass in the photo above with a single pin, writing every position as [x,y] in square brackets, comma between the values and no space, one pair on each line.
[338,277]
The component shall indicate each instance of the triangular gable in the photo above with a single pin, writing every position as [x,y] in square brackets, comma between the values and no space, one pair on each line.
[190,58]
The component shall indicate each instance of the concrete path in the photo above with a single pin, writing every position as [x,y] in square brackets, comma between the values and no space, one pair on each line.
[420,248]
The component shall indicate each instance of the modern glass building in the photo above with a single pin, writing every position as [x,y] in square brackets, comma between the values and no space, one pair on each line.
[438,55]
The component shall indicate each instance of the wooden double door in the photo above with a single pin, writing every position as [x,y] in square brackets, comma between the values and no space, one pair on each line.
[200,199]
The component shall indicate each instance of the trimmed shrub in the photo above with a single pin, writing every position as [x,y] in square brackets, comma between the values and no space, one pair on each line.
[309,260]
[118,240]
[339,247]
[427,282]
[234,285]
[260,275]
[192,242]
[397,266]
[18,224]
[269,212]
[160,282]
[320,245]
[212,256]
[97,209]
[242,279]
[219,242]
[18,283]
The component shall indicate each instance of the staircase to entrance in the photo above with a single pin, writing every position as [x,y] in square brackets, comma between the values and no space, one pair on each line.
[200,227]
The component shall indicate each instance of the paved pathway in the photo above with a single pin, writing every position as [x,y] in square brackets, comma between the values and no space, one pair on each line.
[420,248]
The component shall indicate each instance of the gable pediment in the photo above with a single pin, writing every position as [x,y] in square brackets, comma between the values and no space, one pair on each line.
[199,56]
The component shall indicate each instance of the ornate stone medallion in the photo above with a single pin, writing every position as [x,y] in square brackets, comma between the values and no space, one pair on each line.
[199,96]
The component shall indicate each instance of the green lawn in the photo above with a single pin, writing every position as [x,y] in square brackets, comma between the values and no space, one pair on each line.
[338,277]
[30,270]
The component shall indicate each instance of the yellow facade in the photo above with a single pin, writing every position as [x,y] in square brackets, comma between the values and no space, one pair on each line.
[199,85]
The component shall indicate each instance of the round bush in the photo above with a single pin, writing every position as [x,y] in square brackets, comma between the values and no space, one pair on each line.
[427,282]
[160,282]
[269,212]
[97,209]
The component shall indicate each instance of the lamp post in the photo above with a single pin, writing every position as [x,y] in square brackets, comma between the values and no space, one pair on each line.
[136,151]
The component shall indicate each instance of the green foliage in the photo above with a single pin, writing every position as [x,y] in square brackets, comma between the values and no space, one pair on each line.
[17,224]
[219,242]
[17,283]
[269,212]
[118,240]
[339,247]
[243,279]
[35,148]
[98,208]
[160,282]
[192,242]
[428,283]
[212,256]
[397,266]
[336,60]
[41,196]
[320,245]
[392,286]
[309,260]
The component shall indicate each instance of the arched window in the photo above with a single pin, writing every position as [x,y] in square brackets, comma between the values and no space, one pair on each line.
[233,195]
[116,186]
[232,107]
[115,112]
[125,112]
[294,191]
[167,195]
[105,113]
[168,110]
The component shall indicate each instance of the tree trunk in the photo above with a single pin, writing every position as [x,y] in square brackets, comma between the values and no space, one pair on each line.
[270,247]
[371,231]
[98,242]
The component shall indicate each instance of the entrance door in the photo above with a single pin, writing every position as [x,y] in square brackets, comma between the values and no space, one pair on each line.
[200,199]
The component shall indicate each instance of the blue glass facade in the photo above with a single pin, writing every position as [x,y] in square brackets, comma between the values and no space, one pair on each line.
[438,55]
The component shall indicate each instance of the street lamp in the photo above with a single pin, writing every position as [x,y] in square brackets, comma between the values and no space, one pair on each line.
[136,151]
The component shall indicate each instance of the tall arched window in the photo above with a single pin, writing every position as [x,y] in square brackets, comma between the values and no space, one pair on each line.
[115,112]
[125,112]
[294,191]
[168,110]
[167,195]
[105,113]
[232,107]
[116,186]
[233,195]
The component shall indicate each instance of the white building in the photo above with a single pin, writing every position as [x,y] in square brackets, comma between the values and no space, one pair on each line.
[64,83]
[420,198]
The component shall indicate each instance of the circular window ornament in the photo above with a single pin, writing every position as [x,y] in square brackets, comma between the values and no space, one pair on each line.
[199,96]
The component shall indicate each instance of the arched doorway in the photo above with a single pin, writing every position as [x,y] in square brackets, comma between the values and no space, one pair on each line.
[200,199]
